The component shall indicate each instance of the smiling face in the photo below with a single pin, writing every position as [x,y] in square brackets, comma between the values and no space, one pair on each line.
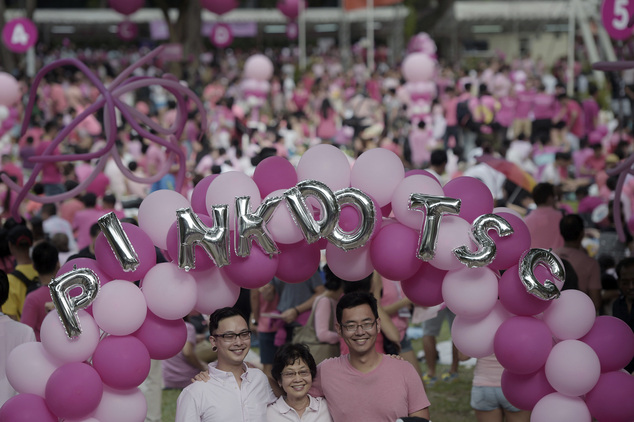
[296,380]
[231,353]
[360,341]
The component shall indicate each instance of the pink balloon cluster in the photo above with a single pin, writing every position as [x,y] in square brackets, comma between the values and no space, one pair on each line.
[290,8]
[419,69]
[422,43]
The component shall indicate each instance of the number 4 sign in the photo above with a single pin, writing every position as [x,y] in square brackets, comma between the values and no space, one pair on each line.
[19,35]
[616,16]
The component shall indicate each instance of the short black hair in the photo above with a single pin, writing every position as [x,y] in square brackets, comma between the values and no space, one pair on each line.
[4,287]
[543,191]
[109,199]
[625,262]
[45,257]
[438,157]
[95,229]
[220,314]
[49,209]
[571,227]
[290,353]
[333,282]
[352,300]
[89,199]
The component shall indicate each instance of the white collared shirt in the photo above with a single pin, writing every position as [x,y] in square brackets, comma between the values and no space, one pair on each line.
[12,334]
[221,399]
[317,411]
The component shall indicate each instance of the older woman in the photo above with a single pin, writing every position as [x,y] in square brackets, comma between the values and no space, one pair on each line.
[294,369]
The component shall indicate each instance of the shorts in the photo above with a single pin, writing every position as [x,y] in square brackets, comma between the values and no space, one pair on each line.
[431,327]
[267,347]
[486,399]
[406,344]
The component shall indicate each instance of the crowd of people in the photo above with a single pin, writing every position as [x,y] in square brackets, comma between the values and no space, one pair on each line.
[324,344]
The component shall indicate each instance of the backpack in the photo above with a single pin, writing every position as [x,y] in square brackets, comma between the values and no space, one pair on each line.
[463,113]
[31,285]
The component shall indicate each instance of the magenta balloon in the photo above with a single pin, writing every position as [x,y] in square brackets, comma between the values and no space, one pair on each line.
[126,7]
[120,308]
[203,261]
[258,67]
[557,407]
[393,252]
[562,368]
[425,287]
[522,344]
[349,265]
[85,263]
[253,271]
[26,408]
[611,399]
[74,390]
[613,342]
[470,292]
[122,362]
[29,367]
[215,291]
[199,195]
[474,337]
[290,8]
[349,218]
[163,338]
[514,296]
[143,247]
[274,173]
[298,262]
[219,7]
[510,248]
[525,390]
[476,198]
[418,67]
[386,210]
[570,316]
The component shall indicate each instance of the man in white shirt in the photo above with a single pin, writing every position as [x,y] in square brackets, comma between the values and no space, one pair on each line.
[52,223]
[234,391]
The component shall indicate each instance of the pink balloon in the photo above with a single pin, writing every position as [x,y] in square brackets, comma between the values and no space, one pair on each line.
[298,262]
[327,164]
[412,172]
[274,173]
[74,390]
[219,7]
[377,172]
[170,292]
[611,398]
[57,343]
[122,362]
[498,210]
[470,292]
[613,342]
[562,368]
[253,271]
[393,252]
[199,195]
[215,291]
[26,408]
[515,298]
[10,92]
[400,199]
[556,407]
[453,232]
[143,247]
[350,218]
[524,391]
[290,8]
[157,213]
[85,263]
[522,344]
[227,187]
[163,338]
[281,226]
[571,316]
[126,7]
[510,248]
[202,260]
[425,287]
[259,67]
[474,337]
[121,406]
[29,367]
[350,265]
[476,198]
[418,67]
[120,308]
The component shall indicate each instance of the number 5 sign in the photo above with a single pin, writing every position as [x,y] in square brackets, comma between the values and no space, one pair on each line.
[616,16]
[19,35]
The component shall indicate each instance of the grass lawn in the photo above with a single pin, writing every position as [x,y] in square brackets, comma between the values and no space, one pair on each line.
[449,401]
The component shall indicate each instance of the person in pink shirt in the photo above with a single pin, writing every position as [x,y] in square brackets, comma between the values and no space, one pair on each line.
[85,218]
[450,105]
[591,108]
[10,168]
[38,303]
[544,110]
[522,122]
[51,176]
[69,207]
[179,370]
[543,222]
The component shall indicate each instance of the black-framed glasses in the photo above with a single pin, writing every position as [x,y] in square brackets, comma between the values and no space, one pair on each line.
[365,326]
[244,335]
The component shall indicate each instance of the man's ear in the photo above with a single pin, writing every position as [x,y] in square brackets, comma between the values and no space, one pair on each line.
[378,325]
[338,328]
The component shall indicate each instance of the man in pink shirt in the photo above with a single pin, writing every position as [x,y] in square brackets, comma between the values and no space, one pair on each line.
[85,218]
[543,222]
[51,173]
[544,110]
[365,385]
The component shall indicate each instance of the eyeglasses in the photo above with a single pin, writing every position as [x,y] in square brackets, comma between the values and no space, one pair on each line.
[229,337]
[365,326]
[304,373]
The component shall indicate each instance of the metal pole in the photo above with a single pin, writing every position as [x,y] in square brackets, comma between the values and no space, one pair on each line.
[570,87]
[370,34]
[302,36]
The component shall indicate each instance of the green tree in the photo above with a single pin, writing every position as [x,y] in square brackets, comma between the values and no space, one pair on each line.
[424,14]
